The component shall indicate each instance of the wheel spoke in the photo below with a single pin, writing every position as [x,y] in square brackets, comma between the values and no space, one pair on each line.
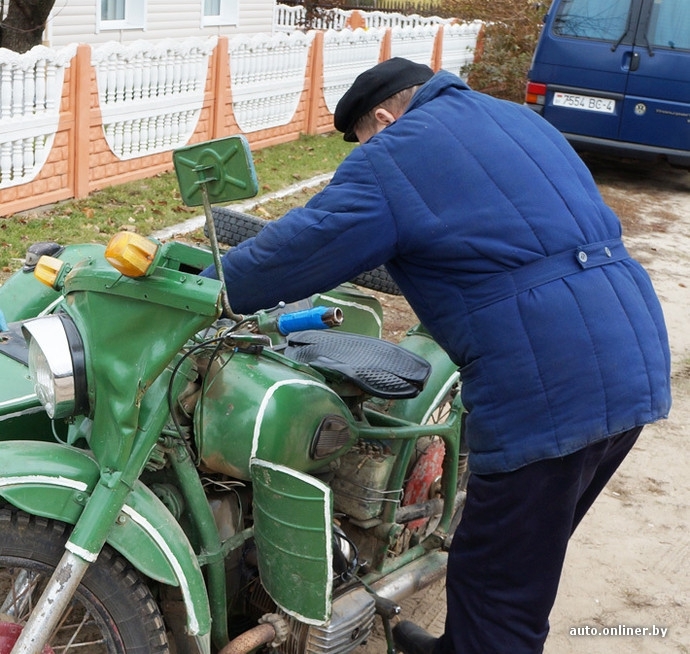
[77,629]
[111,612]
[18,599]
[80,628]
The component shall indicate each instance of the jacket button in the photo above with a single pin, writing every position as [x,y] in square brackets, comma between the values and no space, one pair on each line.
[582,256]
[607,251]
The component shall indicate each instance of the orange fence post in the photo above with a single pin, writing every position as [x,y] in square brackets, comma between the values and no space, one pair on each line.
[386,45]
[221,88]
[355,20]
[315,84]
[437,53]
[81,137]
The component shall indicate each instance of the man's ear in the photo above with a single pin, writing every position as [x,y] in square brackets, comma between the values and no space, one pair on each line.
[384,116]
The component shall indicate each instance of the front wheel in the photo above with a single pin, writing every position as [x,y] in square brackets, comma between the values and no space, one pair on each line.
[112,612]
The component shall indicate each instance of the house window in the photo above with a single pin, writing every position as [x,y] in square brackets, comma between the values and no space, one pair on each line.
[122,14]
[220,12]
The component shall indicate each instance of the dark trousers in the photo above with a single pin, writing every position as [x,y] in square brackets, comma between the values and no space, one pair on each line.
[507,554]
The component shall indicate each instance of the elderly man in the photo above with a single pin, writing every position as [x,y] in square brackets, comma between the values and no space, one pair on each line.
[497,235]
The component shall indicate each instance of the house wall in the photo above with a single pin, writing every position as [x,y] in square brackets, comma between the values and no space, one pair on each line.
[74,21]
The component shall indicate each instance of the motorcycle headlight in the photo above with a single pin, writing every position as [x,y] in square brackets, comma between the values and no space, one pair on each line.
[56,364]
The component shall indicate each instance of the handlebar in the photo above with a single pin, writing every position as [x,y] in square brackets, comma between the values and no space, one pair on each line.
[314,318]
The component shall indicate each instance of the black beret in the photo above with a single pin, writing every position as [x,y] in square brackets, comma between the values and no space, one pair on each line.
[375,85]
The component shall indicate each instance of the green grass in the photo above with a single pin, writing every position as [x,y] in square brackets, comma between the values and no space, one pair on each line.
[150,204]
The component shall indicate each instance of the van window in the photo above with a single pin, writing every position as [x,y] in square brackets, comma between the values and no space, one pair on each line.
[669,25]
[605,20]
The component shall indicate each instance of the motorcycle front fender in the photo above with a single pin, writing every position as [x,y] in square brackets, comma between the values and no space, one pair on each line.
[55,481]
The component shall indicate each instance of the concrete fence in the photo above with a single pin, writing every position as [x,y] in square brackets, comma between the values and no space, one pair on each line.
[81,118]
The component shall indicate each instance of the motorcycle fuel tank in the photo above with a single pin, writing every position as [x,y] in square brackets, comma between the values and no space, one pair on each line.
[265,406]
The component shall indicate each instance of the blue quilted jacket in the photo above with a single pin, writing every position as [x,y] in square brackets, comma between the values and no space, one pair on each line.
[496,233]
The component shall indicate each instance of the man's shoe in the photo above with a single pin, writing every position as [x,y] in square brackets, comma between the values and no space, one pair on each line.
[411,639]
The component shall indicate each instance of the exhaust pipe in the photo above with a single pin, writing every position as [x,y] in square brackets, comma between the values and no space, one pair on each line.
[406,581]
[272,630]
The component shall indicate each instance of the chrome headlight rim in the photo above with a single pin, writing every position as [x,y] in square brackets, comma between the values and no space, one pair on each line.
[57,364]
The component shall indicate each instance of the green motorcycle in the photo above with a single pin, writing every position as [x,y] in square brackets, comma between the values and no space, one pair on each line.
[179,478]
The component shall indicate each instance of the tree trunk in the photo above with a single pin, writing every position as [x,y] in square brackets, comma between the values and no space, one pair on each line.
[24,24]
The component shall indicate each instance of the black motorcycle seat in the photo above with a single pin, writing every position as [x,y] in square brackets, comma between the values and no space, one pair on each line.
[377,367]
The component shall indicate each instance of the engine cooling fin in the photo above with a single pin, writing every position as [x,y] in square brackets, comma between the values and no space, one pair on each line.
[351,623]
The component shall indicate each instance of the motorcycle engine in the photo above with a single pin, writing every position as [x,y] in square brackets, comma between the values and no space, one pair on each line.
[359,485]
[351,623]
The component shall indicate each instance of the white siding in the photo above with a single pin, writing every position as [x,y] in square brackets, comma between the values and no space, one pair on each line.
[71,21]
[74,21]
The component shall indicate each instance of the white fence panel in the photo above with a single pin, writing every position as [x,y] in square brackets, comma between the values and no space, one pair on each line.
[267,77]
[415,43]
[385,19]
[30,93]
[346,54]
[288,18]
[151,93]
[459,44]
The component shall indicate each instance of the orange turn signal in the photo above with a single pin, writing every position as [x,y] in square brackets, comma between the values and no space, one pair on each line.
[131,254]
[48,269]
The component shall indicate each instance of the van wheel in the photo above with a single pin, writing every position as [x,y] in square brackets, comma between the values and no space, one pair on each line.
[112,612]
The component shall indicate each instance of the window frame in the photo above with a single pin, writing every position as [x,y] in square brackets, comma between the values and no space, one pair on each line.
[135,17]
[229,14]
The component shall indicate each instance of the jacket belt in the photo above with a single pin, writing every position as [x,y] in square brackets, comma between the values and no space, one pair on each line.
[542,271]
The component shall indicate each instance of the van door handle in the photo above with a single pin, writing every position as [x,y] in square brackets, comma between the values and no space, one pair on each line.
[634,61]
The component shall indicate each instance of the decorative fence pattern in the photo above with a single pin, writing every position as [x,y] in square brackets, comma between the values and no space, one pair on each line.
[30,92]
[78,119]
[267,78]
[151,94]
[290,18]
[458,46]
[287,18]
[384,19]
[416,43]
[346,54]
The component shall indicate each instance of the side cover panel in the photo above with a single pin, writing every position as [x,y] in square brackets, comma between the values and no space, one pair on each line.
[293,533]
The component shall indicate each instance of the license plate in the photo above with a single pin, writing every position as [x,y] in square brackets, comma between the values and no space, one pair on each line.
[585,102]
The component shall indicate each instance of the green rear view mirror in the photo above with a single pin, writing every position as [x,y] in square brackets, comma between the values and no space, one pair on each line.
[223,166]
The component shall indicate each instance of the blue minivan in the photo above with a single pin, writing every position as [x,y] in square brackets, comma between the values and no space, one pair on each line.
[614,76]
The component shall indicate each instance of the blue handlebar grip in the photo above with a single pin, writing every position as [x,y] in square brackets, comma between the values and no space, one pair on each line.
[302,320]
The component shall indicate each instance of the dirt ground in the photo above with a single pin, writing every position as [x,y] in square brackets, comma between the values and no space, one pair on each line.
[628,563]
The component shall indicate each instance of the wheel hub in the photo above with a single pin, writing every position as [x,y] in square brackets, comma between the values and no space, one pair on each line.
[9,633]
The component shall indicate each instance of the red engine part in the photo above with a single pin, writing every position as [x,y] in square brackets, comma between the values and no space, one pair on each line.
[426,471]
